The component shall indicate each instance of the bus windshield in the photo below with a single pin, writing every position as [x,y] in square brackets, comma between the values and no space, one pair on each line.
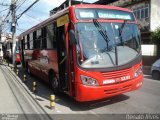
[102,45]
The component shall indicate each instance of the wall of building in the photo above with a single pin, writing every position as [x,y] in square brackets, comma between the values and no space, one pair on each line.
[148,15]
[141,9]
[5,37]
[155,14]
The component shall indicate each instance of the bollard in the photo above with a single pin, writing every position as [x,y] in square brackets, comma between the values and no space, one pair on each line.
[24,78]
[34,87]
[14,69]
[11,68]
[8,63]
[17,72]
[52,102]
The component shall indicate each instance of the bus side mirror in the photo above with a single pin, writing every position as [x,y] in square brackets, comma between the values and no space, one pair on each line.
[72,37]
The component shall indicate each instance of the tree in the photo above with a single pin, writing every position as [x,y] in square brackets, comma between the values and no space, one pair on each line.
[155,36]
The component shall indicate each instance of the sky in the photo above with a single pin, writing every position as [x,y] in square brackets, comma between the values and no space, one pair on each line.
[38,13]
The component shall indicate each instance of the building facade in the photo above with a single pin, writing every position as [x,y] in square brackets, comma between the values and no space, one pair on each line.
[146,12]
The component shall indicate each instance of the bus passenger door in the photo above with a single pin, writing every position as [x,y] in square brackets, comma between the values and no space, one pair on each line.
[62,58]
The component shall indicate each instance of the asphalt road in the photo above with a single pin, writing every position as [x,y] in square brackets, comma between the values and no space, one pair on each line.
[146,100]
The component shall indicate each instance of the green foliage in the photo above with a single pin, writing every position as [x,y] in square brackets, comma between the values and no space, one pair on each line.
[155,36]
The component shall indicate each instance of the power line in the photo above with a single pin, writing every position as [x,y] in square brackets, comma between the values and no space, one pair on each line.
[20,5]
[7,15]
[21,30]
[6,29]
[26,9]
[59,1]
[33,17]
[17,1]
[3,1]
[1,4]
[4,10]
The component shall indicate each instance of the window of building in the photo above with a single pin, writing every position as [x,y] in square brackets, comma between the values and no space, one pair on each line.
[146,12]
[142,12]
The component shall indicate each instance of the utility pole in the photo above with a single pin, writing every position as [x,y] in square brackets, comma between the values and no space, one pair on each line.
[1,28]
[13,9]
[69,2]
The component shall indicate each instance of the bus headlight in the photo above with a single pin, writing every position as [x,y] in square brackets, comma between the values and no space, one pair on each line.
[89,81]
[138,72]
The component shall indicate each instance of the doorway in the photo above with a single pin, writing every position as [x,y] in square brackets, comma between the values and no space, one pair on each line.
[62,58]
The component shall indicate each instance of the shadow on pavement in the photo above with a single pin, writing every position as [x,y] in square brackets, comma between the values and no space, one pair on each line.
[77,106]
[44,91]
[150,77]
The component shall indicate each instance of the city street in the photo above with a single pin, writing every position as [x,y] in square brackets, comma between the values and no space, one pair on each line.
[145,100]
[79,60]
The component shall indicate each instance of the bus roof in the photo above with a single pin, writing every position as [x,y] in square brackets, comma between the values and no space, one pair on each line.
[101,7]
[66,10]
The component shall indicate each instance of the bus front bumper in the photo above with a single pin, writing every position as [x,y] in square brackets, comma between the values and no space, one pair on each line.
[89,93]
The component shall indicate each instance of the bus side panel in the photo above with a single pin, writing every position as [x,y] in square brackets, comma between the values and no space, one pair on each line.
[27,56]
[43,61]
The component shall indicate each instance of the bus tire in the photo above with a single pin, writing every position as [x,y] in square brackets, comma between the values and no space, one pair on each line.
[53,80]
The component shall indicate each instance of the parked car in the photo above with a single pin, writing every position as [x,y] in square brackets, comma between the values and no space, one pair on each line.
[155,70]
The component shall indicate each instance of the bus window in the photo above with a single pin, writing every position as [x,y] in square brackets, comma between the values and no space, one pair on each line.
[50,34]
[34,39]
[44,40]
[31,40]
[38,40]
[25,43]
[28,45]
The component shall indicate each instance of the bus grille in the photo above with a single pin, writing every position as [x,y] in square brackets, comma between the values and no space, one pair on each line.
[118,90]
[116,74]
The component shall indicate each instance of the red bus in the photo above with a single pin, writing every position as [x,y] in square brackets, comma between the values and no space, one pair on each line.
[89,51]
[8,51]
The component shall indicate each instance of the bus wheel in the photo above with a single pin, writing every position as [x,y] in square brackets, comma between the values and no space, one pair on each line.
[53,82]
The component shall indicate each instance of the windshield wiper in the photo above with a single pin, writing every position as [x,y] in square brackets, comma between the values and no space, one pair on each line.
[121,30]
[102,31]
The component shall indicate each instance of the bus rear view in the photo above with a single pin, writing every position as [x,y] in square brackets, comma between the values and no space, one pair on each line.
[108,52]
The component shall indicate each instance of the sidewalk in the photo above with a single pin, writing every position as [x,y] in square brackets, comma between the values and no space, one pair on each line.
[7,99]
